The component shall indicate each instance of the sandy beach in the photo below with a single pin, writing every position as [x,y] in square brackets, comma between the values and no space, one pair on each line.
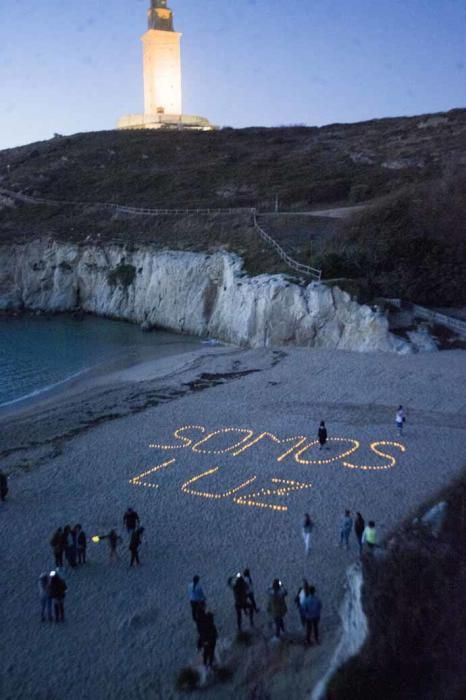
[216,451]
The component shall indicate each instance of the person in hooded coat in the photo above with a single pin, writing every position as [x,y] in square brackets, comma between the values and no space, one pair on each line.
[208,638]
[242,602]
[277,606]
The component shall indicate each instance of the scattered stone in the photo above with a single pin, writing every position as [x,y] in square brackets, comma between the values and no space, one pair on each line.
[421,340]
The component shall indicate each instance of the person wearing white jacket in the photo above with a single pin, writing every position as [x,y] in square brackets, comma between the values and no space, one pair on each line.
[308,527]
[400,418]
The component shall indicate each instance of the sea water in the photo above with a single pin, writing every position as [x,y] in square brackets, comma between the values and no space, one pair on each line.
[38,354]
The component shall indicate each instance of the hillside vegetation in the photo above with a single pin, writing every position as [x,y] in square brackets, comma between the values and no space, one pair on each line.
[411,242]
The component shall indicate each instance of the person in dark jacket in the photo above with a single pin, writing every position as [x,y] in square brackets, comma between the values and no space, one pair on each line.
[207,638]
[248,579]
[70,545]
[57,590]
[113,541]
[3,485]
[359,525]
[58,546]
[134,544]
[131,521]
[242,601]
[312,608]
[322,435]
[81,544]
[276,606]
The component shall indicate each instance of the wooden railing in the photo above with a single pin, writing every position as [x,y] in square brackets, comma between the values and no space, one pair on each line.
[293,264]
[311,272]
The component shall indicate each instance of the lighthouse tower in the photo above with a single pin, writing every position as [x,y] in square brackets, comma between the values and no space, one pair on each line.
[162,76]
[162,62]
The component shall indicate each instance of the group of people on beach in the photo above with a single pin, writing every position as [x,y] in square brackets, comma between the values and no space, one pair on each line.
[366,535]
[307,602]
[52,590]
[69,544]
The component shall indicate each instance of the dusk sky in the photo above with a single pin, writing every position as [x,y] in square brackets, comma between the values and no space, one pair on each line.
[76,65]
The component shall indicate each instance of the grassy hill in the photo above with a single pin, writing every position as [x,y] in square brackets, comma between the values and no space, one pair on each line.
[410,168]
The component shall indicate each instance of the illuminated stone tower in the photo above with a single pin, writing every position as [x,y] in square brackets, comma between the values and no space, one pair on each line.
[162,62]
[162,76]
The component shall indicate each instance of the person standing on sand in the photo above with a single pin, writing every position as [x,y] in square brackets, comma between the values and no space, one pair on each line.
[359,526]
[242,601]
[130,521]
[114,540]
[81,544]
[58,546]
[196,598]
[400,418]
[70,546]
[57,590]
[322,435]
[276,606]
[248,579]
[369,536]
[345,528]
[308,527]
[300,597]
[45,599]
[312,607]
[134,544]
[3,485]
[207,638]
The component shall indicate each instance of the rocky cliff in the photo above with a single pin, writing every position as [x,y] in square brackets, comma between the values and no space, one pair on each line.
[199,293]
[412,607]
[353,628]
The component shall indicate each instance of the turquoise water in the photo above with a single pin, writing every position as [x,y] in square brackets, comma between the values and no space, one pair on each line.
[37,354]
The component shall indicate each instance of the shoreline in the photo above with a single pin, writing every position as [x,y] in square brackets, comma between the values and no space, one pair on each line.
[103,393]
[97,373]
[104,374]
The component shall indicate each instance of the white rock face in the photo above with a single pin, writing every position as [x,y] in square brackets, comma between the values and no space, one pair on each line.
[198,293]
[354,629]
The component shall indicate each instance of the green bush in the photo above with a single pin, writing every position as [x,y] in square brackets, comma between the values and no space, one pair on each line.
[412,245]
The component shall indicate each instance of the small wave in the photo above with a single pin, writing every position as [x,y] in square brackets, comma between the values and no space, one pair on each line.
[47,388]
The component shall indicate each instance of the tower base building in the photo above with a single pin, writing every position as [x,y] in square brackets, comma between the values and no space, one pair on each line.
[162,77]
